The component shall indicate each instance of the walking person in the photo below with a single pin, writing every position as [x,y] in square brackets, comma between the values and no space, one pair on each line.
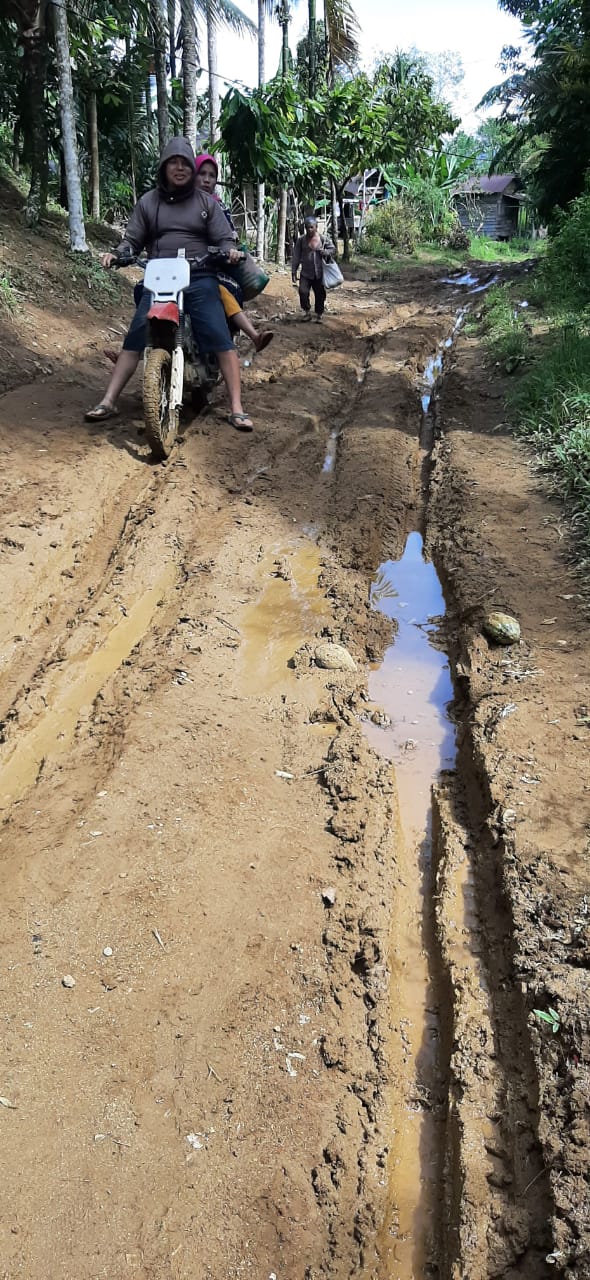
[310,252]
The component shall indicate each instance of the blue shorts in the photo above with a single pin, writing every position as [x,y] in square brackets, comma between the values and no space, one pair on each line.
[202,303]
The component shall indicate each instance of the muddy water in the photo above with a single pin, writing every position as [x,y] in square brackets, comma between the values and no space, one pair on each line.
[75,687]
[413,686]
[291,610]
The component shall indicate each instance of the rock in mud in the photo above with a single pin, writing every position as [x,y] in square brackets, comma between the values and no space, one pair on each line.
[68,981]
[329,896]
[334,657]
[501,628]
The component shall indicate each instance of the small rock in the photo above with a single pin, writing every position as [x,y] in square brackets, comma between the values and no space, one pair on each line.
[334,657]
[68,981]
[329,896]
[108,951]
[501,628]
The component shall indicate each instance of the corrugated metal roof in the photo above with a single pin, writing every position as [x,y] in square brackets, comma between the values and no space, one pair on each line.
[493,186]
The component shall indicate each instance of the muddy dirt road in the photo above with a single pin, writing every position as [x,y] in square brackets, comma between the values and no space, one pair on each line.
[298,1039]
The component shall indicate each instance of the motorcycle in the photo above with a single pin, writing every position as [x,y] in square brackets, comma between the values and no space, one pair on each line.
[174,370]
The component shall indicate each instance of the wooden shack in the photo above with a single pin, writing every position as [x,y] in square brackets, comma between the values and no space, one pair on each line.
[489,206]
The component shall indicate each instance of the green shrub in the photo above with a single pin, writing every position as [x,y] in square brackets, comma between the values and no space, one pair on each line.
[373,245]
[506,329]
[394,223]
[565,276]
[551,409]
[8,300]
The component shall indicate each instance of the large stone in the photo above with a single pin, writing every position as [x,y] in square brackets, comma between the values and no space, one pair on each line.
[501,628]
[334,657]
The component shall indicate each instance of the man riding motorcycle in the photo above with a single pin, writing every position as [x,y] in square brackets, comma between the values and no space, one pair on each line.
[177,215]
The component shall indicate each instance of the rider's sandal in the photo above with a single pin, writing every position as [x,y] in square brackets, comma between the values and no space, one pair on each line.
[241,421]
[101,413]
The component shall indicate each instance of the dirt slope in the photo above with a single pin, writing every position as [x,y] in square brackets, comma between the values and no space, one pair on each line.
[214,1095]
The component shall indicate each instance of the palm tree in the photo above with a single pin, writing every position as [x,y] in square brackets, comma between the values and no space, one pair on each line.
[264,7]
[188,29]
[283,15]
[217,13]
[68,127]
[159,25]
[342,32]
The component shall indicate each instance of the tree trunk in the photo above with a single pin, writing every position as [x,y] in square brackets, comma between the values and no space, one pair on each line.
[35,69]
[268,229]
[312,40]
[260,228]
[345,235]
[214,95]
[63,186]
[334,205]
[172,36]
[132,164]
[16,146]
[68,128]
[189,69]
[282,226]
[94,157]
[285,46]
[149,114]
[159,24]
[260,222]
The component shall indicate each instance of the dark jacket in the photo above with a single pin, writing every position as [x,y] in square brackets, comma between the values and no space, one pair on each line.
[310,260]
[164,221]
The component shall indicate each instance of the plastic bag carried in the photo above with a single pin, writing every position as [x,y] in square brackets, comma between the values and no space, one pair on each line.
[332,275]
[249,275]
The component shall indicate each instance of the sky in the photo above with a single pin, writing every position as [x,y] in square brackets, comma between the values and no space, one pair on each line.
[475,29]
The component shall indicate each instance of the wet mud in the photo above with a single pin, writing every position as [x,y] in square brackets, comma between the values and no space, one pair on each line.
[309,913]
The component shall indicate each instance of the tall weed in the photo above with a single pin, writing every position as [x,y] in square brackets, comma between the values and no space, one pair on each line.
[564,281]
[506,329]
[393,224]
[551,409]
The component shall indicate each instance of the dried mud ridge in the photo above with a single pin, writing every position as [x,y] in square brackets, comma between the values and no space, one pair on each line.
[155,570]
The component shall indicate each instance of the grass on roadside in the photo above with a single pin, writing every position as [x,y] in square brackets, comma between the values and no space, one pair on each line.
[519,249]
[549,405]
[550,408]
[505,327]
[8,299]
[102,286]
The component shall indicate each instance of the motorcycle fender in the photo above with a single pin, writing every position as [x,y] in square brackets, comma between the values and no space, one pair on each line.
[164,311]
[177,377]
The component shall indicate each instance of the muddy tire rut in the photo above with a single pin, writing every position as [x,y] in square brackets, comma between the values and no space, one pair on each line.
[197,830]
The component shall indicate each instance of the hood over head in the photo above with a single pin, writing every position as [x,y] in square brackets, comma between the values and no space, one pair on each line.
[176,147]
[203,158]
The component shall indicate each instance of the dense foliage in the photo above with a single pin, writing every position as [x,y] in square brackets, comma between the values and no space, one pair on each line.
[548,95]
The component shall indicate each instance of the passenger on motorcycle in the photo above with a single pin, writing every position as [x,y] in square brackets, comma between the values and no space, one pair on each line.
[177,215]
[207,174]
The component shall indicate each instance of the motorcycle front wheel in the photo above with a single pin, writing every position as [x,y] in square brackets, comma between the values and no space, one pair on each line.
[161,425]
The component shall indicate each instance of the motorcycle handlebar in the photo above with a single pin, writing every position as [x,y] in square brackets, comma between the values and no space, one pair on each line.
[131,259]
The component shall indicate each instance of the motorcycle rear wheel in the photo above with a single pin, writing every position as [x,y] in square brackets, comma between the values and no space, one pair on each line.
[161,426]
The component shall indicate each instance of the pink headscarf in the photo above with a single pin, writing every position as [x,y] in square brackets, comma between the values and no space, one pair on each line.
[203,158]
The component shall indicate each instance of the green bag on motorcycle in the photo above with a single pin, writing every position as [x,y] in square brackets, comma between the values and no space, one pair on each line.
[249,275]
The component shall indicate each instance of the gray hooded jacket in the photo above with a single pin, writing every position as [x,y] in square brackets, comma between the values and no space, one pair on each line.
[164,221]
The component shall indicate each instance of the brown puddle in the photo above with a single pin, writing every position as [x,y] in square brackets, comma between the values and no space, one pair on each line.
[76,686]
[413,686]
[291,610]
